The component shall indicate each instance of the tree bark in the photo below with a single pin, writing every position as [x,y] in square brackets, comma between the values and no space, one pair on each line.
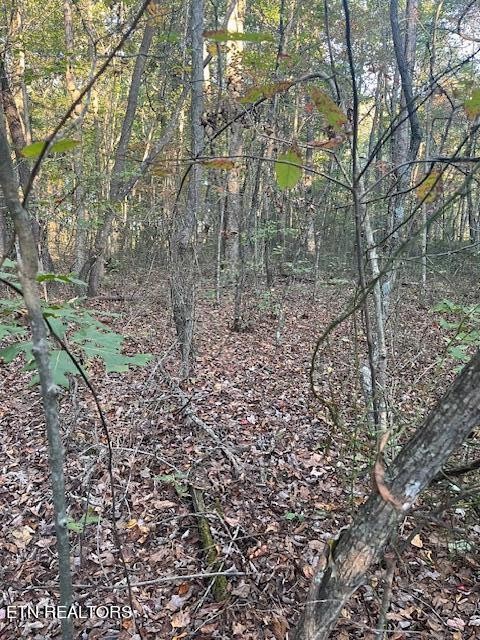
[78,115]
[14,122]
[27,270]
[182,244]
[117,180]
[417,464]
[409,134]
[233,74]
[120,186]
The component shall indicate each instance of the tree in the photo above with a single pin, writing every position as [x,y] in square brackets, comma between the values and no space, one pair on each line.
[285,146]
[182,243]
[28,268]
[418,463]
[117,191]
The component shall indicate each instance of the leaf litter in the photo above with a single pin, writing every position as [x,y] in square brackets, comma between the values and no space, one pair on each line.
[304,475]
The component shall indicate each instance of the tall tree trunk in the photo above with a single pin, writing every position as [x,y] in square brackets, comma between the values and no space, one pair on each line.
[182,244]
[27,270]
[19,86]
[428,150]
[234,254]
[78,115]
[234,177]
[120,186]
[14,122]
[377,382]
[409,134]
[117,179]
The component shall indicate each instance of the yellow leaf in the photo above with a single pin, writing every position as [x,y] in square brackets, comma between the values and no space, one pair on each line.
[431,188]
[416,541]
[328,108]
[212,49]
[265,91]
[23,536]
[157,13]
[220,163]
[154,9]
[131,524]
[287,169]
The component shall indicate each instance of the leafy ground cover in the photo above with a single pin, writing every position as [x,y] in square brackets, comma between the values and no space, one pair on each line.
[303,474]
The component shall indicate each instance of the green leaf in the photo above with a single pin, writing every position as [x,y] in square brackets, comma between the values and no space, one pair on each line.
[51,277]
[472,104]
[93,339]
[166,478]
[33,150]
[58,277]
[458,352]
[61,365]
[177,480]
[445,306]
[290,515]
[107,345]
[71,314]
[223,35]
[265,91]
[12,351]
[460,546]
[73,525]
[63,145]
[286,173]
[74,280]
[430,188]
[9,277]
[170,37]
[7,330]
[450,326]
[58,326]
[12,305]
[78,526]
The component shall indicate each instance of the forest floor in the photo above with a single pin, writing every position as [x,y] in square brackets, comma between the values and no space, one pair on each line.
[301,479]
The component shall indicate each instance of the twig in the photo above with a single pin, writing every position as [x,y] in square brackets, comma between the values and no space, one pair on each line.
[189,412]
[164,579]
[456,471]
[391,561]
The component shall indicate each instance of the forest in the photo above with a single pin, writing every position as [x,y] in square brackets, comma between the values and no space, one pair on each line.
[239,319]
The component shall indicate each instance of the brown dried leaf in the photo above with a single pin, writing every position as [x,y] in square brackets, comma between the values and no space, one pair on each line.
[279,627]
[180,619]
[416,541]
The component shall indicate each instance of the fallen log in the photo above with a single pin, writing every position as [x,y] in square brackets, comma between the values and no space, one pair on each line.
[209,547]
